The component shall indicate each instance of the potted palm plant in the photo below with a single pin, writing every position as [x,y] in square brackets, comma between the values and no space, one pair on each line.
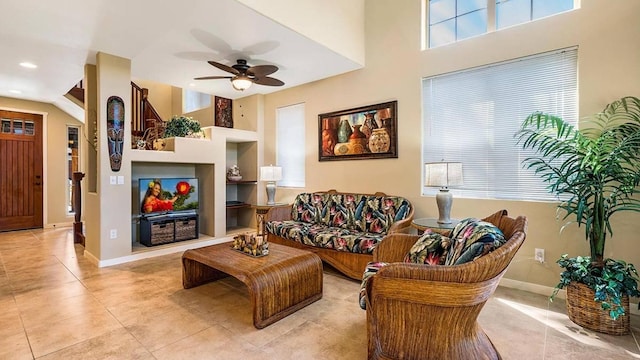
[595,170]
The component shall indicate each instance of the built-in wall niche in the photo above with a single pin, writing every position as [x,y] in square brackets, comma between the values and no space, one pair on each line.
[203,172]
[241,195]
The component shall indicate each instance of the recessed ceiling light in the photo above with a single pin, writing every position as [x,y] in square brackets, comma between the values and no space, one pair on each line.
[192,84]
[15,91]
[28,65]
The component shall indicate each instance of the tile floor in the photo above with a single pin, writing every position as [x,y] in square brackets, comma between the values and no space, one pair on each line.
[56,305]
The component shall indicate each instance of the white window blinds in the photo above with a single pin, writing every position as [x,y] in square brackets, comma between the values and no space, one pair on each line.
[290,144]
[472,116]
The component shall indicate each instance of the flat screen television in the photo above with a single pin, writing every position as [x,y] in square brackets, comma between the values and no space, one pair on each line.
[168,195]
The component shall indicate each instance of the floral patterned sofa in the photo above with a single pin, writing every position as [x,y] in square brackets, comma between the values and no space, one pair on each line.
[343,229]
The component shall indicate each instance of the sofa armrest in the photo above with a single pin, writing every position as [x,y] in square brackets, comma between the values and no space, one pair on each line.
[278,213]
[394,247]
[402,226]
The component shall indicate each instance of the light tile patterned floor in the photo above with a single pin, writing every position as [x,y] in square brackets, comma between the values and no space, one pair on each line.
[56,305]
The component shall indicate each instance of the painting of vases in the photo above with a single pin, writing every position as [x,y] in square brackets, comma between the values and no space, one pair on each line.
[367,132]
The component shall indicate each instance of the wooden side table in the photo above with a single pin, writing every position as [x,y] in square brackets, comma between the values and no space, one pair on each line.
[432,223]
[261,211]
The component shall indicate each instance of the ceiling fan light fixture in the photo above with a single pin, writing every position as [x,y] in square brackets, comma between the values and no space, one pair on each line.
[241,82]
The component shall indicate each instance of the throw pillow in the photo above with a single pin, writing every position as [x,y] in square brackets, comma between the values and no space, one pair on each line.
[430,249]
[473,238]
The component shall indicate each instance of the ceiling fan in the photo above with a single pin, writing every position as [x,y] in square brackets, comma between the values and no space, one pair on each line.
[245,75]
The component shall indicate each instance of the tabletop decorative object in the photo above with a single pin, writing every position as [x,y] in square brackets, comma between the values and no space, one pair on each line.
[233,173]
[251,244]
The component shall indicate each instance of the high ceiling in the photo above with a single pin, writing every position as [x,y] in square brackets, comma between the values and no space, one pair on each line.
[167,41]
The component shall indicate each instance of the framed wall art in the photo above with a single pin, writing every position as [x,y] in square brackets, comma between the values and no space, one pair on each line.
[223,115]
[367,132]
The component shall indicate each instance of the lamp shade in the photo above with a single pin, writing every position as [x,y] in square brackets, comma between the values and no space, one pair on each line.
[270,173]
[443,174]
[241,82]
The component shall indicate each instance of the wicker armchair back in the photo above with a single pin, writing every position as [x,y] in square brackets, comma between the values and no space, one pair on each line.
[430,312]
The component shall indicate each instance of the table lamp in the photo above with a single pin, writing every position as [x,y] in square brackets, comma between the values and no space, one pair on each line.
[443,175]
[271,174]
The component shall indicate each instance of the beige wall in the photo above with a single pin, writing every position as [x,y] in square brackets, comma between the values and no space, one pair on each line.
[608,56]
[336,24]
[159,97]
[55,155]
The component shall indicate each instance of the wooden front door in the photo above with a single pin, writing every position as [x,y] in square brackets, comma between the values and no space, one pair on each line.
[20,170]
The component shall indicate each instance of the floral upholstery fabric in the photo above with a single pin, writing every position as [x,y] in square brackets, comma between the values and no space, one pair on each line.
[328,237]
[469,240]
[344,222]
[430,249]
[365,213]
[472,238]
[369,271]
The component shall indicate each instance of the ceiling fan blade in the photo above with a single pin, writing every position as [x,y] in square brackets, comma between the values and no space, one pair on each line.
[212,77]
[224,67]
[262,70]
[269,81]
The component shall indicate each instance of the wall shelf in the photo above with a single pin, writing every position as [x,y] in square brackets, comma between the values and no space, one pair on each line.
[237,206]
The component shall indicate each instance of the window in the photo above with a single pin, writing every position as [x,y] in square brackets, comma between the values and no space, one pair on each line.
[72,164]
[453,20]
[513,12]
[17,126]
[472,116]
[194,100]
[290,144]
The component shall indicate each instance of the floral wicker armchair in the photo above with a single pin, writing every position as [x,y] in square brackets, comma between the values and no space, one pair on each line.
[430,312]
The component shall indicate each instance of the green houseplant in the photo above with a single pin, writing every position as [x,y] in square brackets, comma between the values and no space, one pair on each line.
[181,126]
[597,170]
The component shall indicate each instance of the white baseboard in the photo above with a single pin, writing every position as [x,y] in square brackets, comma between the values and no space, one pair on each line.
[547,291]
[146,254]
[58,225]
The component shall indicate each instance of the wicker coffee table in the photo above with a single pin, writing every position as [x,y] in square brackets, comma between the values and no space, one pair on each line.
[280,283]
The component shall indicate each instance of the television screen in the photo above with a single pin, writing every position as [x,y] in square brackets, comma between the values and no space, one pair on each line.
[165,195]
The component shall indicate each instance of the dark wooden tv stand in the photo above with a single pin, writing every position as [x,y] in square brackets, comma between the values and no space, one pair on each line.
[168,228]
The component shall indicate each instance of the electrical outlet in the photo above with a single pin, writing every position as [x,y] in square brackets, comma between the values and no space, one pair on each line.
[113,233]
[539,255]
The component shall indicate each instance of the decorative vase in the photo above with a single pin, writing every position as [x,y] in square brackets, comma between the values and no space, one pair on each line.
[329,138]
[588,313]
[344,131]
[357,134]
[387,124]
[358,140]
[369,124]
[379,141]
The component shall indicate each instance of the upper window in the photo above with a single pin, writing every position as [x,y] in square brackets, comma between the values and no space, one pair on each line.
[513,12]
[472,117]
[453,20]
[290,144]
[194,100]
